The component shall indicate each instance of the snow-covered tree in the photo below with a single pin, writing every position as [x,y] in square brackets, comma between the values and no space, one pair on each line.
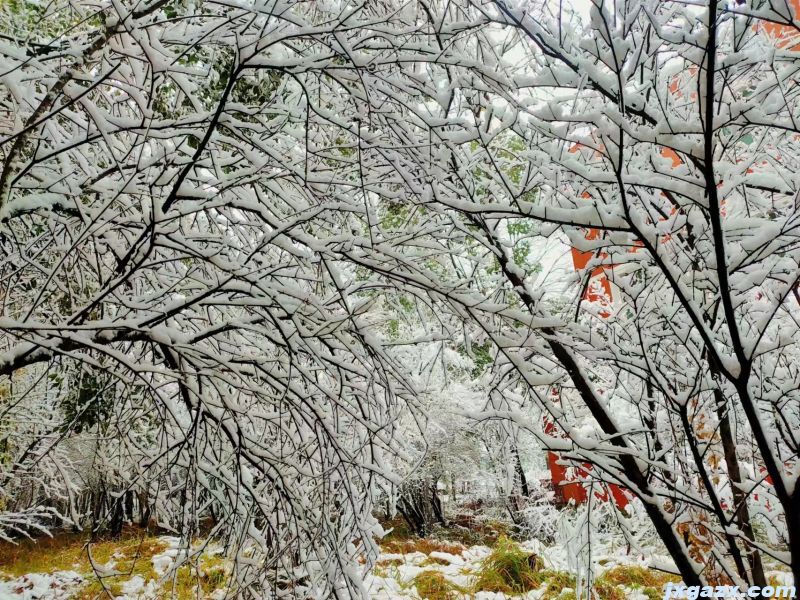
[177,180]
[662,140]
[203,203]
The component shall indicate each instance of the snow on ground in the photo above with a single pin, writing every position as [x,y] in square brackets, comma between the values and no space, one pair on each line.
[163,561]
[42,586]
[61,585]
[393,577]
[137,588]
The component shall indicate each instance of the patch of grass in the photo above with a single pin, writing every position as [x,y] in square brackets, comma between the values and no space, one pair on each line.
[381,571]
[131,555]
[568,594]
[555,583]
[43,555]
[508,569]
[191,581]
[67,551]
[214,578]
[213,574]
[636,576]
[605,590]
[424,545]
[432,585]
[511,570]
[471,531]
[432,560]
[399,530]
[392,572]
[463,529]
[648,581]
[389,562]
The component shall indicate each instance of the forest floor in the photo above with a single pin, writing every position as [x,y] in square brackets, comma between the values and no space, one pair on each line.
[478,562]
[131,566]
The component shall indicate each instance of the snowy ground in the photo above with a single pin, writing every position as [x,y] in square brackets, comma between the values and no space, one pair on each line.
[395,581]
[61,585]
[393,577]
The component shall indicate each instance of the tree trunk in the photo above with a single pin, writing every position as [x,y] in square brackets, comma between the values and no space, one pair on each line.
[412,515]
[436,504]
[523,481]
[739,497]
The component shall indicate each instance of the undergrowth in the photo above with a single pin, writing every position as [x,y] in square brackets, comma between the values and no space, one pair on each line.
[464,530]
[511,570]
[433,585]
[124,557]
[424,545]
[651,583]
[67,551]
[433,560]
[508,569]
[558,585]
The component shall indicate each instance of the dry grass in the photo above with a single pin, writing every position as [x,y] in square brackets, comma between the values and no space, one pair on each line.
[648,581]
[424,545]
[608,591]
[433,560]
[511,570]
[635,576]
[472,531]
[389,562]
[508,569]
[43,555]
[131,554]
[558,584]
[189,580]
[68,551]
[432,585]
[466,530]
